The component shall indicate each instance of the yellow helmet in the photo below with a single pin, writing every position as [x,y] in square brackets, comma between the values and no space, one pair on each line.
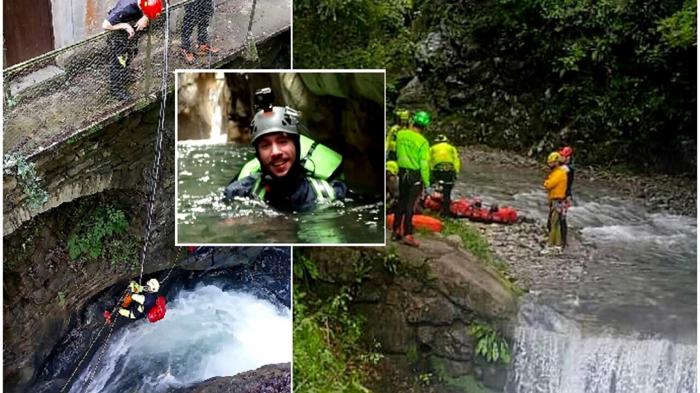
[402,115]
[392,167]
[553,157]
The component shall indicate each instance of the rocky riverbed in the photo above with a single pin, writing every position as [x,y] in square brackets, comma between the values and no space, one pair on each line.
[673,194]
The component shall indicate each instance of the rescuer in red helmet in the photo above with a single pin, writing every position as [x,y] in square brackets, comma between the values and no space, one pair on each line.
[123,47]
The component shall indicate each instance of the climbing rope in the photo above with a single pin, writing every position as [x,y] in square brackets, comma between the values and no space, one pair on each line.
[94,340]
[91,373]
[99,332]
[251,52]
[154,175]
[155,171]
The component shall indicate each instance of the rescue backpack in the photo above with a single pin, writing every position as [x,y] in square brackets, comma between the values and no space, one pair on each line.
[157,312]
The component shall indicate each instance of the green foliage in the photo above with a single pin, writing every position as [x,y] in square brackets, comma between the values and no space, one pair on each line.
[471,238]
[678,30]
[480,247]
[123,252]
[353,34]
[304,266]
[490,343]
[616,79]
[328,354]
[29,180]
[391,260]
[425,378]
[89,238]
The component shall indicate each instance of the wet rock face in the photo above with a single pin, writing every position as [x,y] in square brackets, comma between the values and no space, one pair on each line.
[345,112]
[273,378]
[262,271]
[116,157]
[423,309]
[202,106]
[46,287]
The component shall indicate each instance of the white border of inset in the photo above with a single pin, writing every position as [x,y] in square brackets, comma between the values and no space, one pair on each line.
[273,71]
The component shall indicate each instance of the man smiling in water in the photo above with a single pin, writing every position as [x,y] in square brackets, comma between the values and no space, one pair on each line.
[283,182]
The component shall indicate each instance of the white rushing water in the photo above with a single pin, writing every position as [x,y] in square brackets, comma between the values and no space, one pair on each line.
[550,362]
[206,332]
[632,324]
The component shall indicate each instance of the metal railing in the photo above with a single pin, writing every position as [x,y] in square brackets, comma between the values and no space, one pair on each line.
[50,97]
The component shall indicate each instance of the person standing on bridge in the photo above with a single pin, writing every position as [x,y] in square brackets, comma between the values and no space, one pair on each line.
[444,167]
[556,194]
[412,153]
[197,13]
[123,47]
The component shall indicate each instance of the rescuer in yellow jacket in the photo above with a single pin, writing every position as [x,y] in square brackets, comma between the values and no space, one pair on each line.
[412,156]
[402,122]
[556,194]
[392,186]
[444,167]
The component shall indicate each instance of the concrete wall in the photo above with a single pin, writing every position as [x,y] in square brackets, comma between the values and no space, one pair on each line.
[75,20]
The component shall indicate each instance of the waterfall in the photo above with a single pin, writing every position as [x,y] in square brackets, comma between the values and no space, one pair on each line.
[555,357]
[206,332]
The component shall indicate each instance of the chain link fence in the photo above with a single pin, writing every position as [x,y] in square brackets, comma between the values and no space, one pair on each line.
[50,97]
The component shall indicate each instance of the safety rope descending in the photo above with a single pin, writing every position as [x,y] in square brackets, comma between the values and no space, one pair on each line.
[94,340]
[154,175]
[251,53]
[155,171]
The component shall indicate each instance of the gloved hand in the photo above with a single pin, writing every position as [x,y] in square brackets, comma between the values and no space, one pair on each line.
[135,287]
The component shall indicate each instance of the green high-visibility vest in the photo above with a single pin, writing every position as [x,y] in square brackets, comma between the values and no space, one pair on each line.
[321,161]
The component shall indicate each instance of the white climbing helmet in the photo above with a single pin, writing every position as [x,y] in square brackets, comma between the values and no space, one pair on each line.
[152,285]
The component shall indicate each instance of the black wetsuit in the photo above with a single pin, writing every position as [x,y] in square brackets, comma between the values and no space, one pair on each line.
[125,11]
[292,193]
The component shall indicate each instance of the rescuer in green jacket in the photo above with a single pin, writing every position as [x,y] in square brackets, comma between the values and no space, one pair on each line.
[444,167]
[412,153]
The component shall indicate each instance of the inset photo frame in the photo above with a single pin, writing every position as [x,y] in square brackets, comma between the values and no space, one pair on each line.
[280,157]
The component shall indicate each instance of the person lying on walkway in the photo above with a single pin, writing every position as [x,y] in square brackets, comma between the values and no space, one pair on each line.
[444,168]
[555,184]
[197,14]
[123,44]
[137,303]
[412,153]
[283,182]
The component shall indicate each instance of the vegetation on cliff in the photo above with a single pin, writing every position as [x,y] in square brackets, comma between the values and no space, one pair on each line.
[328,353]
[616,79]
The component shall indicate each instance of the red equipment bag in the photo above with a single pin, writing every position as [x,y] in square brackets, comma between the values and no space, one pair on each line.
[157,312]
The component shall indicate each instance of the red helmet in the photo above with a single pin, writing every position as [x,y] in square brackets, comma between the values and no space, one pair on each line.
[151,8]
[566,151]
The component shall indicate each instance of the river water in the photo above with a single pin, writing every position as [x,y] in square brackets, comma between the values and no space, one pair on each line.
[204,170]
[630,324]
[207,332]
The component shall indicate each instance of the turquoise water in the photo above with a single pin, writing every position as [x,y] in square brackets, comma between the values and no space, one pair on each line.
[202,217]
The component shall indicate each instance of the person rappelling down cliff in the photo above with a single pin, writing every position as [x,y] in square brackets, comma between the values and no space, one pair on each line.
[139,302]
